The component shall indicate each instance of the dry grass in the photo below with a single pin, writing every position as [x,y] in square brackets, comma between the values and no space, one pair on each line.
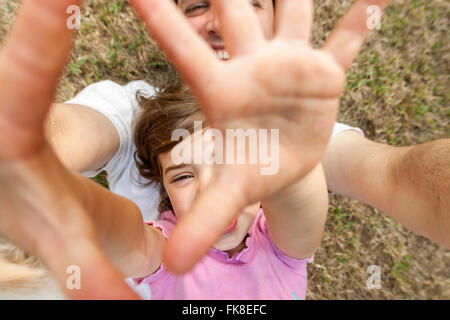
[397,91]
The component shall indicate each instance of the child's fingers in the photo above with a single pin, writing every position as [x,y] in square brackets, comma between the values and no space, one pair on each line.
[30,64]
[212,212]
[194,59]
[347,38]
[239,25]
[84,272]
[294,19]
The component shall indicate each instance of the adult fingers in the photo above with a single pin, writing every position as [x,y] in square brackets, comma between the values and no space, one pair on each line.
[346,40]
[294,19]
[239,25]
[30,64]
[193,58]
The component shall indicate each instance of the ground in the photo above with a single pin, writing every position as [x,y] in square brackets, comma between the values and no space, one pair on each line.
[397,92]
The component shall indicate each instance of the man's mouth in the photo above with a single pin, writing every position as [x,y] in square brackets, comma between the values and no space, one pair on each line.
[221,51]
[222,54]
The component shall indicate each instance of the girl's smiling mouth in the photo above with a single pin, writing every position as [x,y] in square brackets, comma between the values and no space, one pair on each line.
[231,227]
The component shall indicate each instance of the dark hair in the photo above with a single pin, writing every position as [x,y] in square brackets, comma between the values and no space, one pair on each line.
[170,109]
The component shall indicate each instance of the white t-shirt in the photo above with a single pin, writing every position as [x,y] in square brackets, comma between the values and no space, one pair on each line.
[119,104]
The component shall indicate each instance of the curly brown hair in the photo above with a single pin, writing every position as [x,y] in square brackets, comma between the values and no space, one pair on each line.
[172,108]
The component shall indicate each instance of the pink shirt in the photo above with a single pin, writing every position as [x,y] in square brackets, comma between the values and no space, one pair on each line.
[260,271]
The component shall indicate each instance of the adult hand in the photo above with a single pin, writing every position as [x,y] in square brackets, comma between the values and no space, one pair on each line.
[39,211]
[282,83]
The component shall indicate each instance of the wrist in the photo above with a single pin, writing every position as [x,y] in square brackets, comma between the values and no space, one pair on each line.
[301,190]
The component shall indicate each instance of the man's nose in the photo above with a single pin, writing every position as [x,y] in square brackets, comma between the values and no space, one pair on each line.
[212,25]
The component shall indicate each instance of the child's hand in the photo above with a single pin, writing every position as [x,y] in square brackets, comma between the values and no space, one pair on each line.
[40,209]
[282,84]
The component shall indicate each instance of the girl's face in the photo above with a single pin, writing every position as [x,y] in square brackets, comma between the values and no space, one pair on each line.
[182,184]
[205,23]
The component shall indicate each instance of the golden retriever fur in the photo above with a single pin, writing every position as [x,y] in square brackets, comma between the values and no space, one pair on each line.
[23,276]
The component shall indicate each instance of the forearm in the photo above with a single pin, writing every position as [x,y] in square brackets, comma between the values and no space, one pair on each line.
[296,216]
[420,180]
[83,140]
[409,184]
[134,247]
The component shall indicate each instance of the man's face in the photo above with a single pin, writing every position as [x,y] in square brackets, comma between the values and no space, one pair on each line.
[203,20]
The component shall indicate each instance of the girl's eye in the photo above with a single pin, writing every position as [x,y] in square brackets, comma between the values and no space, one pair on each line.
[196,9]
[181,178]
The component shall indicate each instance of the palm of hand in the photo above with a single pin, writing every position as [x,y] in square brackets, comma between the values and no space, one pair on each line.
[282,85]
[278,84]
